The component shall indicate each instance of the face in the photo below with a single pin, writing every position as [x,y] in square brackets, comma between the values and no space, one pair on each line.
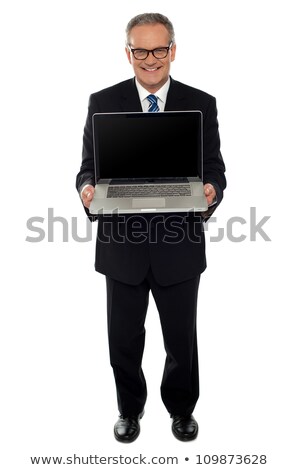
[151,73]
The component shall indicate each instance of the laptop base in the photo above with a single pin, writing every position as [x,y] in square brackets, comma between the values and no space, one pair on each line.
[102,205]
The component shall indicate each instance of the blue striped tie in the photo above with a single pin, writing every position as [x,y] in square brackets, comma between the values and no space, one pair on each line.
[153,107]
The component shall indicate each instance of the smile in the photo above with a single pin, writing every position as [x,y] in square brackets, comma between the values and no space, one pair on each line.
[151,70]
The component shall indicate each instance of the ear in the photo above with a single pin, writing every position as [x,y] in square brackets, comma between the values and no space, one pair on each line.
[173,52]
[128,55]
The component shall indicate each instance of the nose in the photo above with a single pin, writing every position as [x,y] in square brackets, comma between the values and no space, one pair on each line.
[151,59]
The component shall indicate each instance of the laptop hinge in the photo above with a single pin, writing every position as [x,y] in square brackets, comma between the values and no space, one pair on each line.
[149,180]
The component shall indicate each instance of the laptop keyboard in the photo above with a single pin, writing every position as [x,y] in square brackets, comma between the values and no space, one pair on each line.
[149,190]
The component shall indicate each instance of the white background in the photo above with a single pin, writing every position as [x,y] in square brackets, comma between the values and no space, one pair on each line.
[57,394]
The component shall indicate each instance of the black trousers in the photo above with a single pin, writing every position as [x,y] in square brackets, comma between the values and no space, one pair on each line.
[177,306]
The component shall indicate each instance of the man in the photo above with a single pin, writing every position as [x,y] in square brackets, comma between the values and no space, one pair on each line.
[170,270]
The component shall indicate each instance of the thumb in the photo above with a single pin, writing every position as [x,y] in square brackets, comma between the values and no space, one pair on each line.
[88,193]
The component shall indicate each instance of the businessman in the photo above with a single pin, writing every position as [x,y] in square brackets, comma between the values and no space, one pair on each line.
[170,270]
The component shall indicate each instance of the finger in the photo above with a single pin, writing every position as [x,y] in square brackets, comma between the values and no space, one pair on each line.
[210,192]
[86,202]
[88,195]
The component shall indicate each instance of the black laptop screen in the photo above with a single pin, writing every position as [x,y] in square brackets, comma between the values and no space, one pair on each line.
[148,145]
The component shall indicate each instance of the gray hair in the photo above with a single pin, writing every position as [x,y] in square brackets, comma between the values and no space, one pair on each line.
[150,18]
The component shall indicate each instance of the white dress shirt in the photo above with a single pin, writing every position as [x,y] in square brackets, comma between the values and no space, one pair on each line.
[160,94]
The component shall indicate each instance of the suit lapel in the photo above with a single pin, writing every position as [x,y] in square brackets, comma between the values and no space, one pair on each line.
[130,101]
[176,99]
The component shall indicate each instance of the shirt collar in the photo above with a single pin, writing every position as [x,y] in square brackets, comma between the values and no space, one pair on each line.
[161,93]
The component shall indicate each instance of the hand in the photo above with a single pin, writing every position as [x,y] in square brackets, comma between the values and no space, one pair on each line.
[210,193]
[87,195]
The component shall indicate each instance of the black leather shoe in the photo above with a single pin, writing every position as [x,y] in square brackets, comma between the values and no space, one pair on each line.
[127,429]
[184,428]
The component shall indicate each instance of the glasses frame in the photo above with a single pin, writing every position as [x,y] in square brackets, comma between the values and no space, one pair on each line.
[167,49]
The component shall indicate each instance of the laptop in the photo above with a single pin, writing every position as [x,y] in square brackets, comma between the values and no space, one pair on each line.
[148,162]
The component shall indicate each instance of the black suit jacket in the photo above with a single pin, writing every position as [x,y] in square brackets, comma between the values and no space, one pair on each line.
[173,244]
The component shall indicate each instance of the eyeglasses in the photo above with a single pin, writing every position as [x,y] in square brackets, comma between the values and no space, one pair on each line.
[142,54]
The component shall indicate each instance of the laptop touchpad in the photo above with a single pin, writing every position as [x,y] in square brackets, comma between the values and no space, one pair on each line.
[148,202]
